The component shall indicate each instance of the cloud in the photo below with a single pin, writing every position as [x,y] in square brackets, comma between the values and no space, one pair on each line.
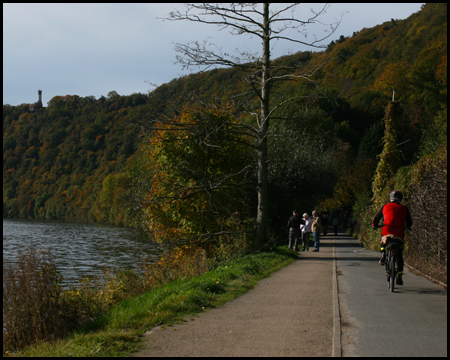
[91,49]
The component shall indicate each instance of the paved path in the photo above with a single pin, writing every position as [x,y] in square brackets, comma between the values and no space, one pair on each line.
[299,312]
[413,319]
[287,314]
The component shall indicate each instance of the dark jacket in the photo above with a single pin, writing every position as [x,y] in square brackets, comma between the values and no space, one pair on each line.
[295,222]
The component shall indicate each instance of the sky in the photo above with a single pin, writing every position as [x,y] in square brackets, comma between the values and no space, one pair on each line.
[92,49]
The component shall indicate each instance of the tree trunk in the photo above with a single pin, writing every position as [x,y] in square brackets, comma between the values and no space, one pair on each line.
[245,19]
[263,198]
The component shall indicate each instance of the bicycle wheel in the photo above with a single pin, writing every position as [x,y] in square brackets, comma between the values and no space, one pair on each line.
[392,273]
[387,266]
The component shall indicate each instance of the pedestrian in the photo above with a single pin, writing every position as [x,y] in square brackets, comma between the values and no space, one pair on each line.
[306,230]
[325,224]
[294,230]
[335,223]
[315,228]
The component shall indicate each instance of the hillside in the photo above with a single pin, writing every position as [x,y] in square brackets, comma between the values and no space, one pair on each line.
[78,158]
[56,158]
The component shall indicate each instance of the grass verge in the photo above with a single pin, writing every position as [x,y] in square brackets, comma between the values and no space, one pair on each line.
[119,331]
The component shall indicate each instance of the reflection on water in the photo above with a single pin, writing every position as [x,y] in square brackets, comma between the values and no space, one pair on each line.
[82,248]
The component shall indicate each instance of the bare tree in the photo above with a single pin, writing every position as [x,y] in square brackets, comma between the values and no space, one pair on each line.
[268,26]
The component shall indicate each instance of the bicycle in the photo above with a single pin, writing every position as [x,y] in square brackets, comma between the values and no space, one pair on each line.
[393,245]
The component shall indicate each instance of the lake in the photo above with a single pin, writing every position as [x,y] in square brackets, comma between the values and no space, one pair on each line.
[78,248]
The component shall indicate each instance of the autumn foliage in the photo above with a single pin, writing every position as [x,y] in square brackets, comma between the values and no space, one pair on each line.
[341,144]
[200,168]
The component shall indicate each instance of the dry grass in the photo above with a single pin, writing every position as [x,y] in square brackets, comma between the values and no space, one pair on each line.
[36,307]
[32,300]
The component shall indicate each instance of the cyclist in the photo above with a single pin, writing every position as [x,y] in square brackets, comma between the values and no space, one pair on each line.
[396,216]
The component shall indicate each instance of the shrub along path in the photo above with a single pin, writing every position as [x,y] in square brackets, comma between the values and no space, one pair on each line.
[287,314]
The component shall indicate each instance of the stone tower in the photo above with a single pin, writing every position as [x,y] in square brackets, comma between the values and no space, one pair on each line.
[39,102]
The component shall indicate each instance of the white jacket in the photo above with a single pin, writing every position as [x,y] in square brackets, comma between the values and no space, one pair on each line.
[307,227]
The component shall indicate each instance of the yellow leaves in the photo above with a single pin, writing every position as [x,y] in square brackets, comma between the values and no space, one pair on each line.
[188,157]
[388,159]
[394,76]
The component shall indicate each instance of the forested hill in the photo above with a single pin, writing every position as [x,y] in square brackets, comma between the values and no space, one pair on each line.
[76,158]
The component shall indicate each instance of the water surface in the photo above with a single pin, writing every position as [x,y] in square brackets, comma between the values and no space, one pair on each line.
[77,248]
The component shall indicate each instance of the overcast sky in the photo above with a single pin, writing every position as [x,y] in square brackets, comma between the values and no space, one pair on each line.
[92,49]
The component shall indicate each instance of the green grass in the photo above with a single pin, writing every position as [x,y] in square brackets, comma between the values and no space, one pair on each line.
[119,331]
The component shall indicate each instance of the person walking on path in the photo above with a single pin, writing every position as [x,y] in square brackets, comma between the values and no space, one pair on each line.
[306,231]
[315,228]
[325,224]
[335,223]
[294,230]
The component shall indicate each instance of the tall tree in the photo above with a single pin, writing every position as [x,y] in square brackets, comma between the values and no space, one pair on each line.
[267,25]
[198,163]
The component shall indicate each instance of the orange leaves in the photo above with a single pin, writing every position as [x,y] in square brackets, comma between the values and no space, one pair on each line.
[180,263]
[394,76]
[441,72]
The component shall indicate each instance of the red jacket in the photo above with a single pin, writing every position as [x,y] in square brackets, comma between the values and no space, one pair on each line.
[396,216]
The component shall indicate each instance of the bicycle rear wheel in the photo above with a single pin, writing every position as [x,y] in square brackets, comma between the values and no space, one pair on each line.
[392,272]
[386,265]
